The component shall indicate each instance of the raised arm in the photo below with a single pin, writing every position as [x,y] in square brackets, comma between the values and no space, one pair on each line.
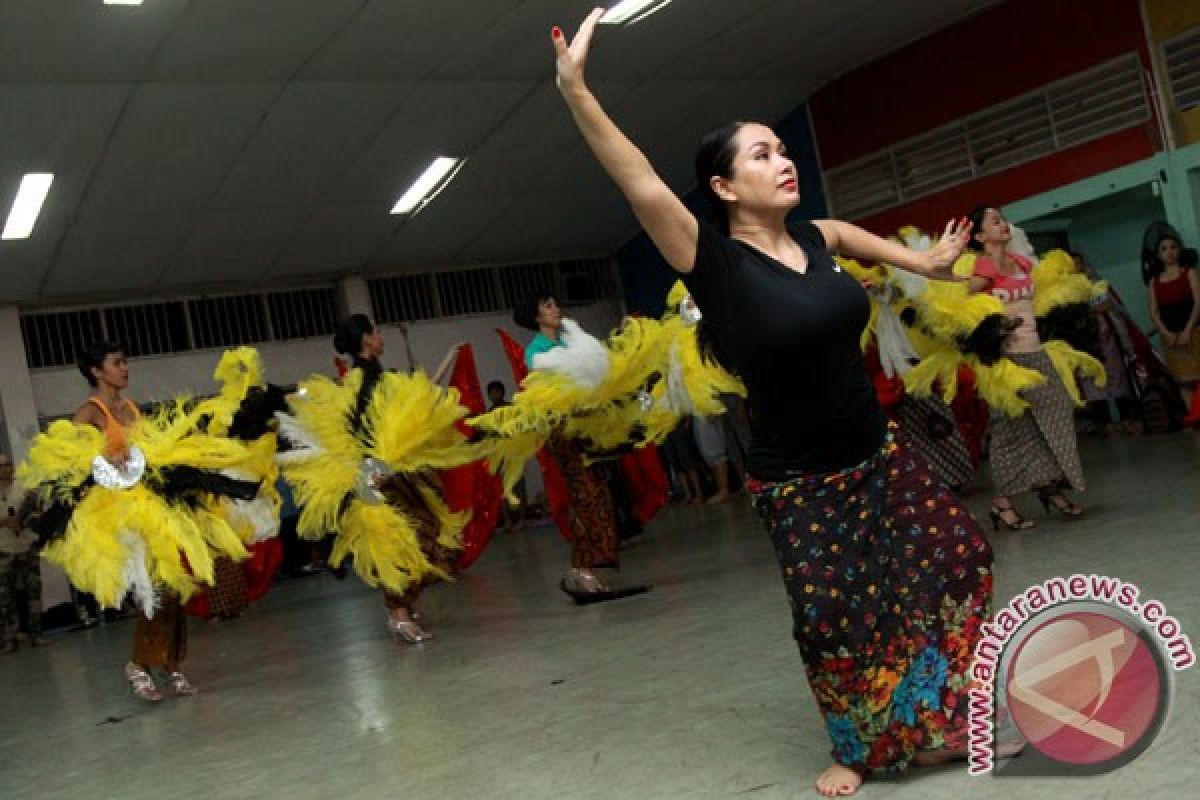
[662,214]
[936,263]
[444,367]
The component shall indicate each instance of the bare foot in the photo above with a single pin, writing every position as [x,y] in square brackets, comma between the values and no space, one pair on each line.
[720,497]
[839,781]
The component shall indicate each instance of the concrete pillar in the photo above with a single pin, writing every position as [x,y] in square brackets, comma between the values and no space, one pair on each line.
[16,388]
[21,426]
[353,297]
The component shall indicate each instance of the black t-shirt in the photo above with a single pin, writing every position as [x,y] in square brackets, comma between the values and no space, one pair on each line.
[794,338]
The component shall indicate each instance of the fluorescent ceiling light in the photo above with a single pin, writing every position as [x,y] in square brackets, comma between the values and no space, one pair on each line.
[27,206]
[122,2]
[435,178]
[627,12]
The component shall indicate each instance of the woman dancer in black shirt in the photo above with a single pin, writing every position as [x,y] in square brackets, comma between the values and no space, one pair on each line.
[888,575]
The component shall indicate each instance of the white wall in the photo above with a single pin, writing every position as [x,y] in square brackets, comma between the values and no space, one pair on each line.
[18,407]
[58,392]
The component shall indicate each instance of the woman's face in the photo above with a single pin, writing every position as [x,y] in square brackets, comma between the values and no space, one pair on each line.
[764,177]
[549,314]
[113,372]
[1168,252]
[994,229]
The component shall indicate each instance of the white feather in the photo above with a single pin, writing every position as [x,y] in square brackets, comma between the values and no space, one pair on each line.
[582,357]
[918,241]
[259,514]
[910,284]
[303,443]
[678,399]
[1019,244]
[137,577]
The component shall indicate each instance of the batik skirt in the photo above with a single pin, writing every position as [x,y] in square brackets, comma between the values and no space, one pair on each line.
[1037,449]
[889,580]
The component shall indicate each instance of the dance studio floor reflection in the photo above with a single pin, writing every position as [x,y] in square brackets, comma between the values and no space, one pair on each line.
[692,691]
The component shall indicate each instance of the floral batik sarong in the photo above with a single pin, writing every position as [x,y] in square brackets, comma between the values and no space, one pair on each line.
[889,579]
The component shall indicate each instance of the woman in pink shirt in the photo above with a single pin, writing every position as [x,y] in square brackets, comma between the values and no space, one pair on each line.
[1036,451]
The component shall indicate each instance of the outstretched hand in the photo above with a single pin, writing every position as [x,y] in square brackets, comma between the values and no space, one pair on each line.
[941,256]
[571,58]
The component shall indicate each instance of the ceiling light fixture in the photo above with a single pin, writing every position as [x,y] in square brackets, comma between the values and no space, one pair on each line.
[27,206]
[628,12]
[435,178]
[122,2]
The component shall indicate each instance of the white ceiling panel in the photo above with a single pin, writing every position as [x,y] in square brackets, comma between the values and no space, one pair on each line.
[436,235]
[109,255]
[515,46]
[311,135]
[596,226]
[335,239]
[72,40]
[173,147]
[404,40]
[693,28]
[58,128]
[23,261]
[240,142]
[439,119]
[231,247]
[260,40]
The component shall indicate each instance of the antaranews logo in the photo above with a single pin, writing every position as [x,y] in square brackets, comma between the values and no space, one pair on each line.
[1080,670]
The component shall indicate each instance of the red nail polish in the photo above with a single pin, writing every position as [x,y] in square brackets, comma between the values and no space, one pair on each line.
[556,32]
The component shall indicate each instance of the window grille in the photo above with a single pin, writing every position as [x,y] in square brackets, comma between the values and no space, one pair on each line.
[401,298]
[1103,100]
[302,313]
[229,321]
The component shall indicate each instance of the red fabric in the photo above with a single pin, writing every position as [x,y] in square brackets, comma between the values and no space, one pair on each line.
[341,368]
[1168,293]
[1192,420]
[471,486]
[970,414]
[1002,285]
[890,391]
[643,473]
[556,486]
[259,570]
[265,559]
[641,469]
[515,354]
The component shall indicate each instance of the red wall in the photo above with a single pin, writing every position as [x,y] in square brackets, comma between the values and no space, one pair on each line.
[991,57]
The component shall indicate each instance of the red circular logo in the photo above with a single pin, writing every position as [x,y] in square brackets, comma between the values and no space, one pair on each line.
[1085,688]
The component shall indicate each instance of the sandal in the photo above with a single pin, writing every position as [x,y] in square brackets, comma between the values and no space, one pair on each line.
[1053,499]
[1009,516]
[585,588]
[141,683]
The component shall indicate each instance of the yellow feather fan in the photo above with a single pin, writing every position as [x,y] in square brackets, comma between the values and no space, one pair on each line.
[409,425]
[1056,283]
[135,539]
[633,390]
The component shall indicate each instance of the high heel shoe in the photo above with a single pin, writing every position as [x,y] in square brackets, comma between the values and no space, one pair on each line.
[1055,500]
[407,630]
[585,588]
[141,684]
[180,686]
[1013,521]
